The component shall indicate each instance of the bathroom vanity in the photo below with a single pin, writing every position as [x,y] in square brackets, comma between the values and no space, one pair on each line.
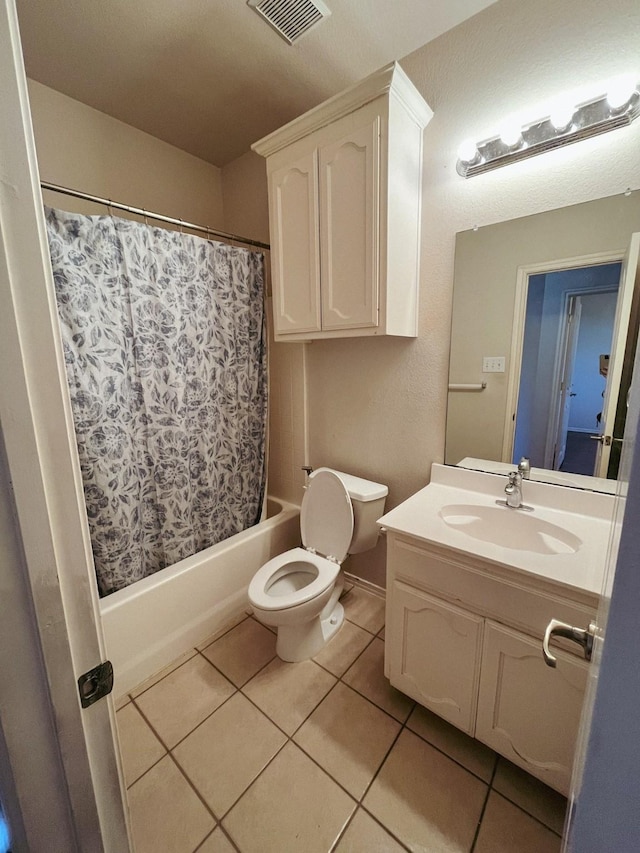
[471,588]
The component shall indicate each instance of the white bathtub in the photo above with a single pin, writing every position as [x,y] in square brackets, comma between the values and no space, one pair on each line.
[152,622]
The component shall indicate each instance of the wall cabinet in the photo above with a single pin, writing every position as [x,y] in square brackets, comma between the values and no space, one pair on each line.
[464,639]
[344,212]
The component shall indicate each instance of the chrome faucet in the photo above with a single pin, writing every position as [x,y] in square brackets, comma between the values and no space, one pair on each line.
[524,467]
[513,490]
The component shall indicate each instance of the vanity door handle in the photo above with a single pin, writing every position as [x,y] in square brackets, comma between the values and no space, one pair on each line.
[555,628]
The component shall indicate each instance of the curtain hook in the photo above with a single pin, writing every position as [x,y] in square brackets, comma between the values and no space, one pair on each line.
[144,216]
[181,226]
[110,209]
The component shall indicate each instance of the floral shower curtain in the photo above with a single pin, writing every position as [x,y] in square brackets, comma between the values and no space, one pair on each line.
[165,349]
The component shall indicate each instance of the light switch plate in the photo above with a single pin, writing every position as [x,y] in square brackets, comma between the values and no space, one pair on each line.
[493,364]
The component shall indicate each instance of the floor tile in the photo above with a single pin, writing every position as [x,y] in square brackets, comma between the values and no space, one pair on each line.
[139,747]
[506,828]
[468,751]
[367,677]
[226,626]
[292,806]
[166,814]
[158,676]
[225,754]
[217,842]
[349,737]
[365,835]
[532,795]
[364,608]
[184,698]
[243,651]
[341,651]
[288,692]
[426,800]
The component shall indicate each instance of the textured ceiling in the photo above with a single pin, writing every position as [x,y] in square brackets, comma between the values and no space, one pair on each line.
[210,76]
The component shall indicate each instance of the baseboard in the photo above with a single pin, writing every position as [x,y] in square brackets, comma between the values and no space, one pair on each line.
[365,584]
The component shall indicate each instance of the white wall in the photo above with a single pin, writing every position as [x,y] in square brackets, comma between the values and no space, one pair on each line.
[84,149]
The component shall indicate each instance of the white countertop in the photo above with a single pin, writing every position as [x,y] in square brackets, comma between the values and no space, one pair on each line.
[585,515]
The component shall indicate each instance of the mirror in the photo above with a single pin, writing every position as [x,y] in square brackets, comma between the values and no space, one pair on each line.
[512,390]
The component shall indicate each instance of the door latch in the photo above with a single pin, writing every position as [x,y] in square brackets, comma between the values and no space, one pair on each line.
[583,637]
[95,683]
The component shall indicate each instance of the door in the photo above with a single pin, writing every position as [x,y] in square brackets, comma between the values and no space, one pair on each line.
[295,249]
[574,312]
[349,216]
[578,780]
[42,478]
[630,276]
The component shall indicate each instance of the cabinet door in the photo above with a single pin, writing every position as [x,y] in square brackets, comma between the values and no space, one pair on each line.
[349,228]
[527,711]
[295,250]
[434,654]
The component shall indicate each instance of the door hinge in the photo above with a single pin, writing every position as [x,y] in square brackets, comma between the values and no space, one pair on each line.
[95,683]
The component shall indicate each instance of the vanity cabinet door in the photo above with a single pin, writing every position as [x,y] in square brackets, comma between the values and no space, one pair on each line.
[349,232]
[295,247]
[527,711]
[434,654]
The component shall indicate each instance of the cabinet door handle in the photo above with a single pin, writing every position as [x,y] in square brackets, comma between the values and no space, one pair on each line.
[555,628]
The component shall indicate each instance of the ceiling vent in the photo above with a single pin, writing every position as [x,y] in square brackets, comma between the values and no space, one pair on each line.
[291,18]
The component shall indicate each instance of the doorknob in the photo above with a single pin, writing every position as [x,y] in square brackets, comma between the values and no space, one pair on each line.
[556,628]
[603,439]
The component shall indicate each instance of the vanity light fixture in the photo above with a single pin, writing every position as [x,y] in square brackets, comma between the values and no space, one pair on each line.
[566,123]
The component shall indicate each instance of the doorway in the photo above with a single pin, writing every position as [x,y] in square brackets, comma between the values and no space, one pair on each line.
[569,322]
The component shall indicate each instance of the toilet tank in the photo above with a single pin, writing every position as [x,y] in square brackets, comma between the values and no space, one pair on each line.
[367,499]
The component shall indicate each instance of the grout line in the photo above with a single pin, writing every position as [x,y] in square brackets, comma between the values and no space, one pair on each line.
[389,831]
[224,633]
[484,808]
[522,809]
[340,835]
[151,766]
[446,754]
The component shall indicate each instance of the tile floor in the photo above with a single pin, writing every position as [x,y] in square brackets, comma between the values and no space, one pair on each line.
[230,749]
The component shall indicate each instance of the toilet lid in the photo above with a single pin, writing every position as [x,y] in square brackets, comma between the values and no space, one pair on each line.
[326,516]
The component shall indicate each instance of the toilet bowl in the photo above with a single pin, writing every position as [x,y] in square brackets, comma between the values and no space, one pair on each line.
[298,592]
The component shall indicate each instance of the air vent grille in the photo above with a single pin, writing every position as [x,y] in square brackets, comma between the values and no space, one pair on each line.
[291,18]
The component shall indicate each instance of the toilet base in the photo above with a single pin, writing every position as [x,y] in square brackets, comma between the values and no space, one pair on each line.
[301,642]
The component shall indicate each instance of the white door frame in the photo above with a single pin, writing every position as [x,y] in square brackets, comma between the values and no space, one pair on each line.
[517,335]
[51,555]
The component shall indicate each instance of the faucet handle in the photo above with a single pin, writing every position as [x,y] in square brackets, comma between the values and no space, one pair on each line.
[515,478]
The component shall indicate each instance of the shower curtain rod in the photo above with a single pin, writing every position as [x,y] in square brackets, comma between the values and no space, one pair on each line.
[157,216]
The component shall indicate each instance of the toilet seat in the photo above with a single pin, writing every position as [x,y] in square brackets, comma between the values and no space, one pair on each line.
[297,557]
[326,525]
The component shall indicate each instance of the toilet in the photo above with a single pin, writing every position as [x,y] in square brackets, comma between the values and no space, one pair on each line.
[298,592]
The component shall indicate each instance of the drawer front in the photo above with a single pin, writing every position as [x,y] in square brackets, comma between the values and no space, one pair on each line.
[434,651]
[489,590]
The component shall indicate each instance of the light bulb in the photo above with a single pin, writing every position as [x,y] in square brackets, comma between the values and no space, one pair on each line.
[620,91]
[468,151]
[511,135]
[562,116]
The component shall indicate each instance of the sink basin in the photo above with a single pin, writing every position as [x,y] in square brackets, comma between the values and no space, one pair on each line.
[510,528]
